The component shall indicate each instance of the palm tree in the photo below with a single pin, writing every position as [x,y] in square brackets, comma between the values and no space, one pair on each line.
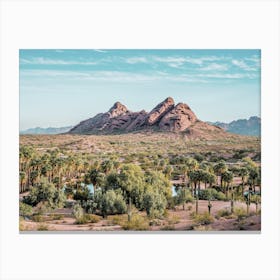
[243,172]
[253,176]
[195,178]
[219,169]
[227,177]
[22,176]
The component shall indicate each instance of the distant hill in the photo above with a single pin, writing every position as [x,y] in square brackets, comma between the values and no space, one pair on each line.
[251,126]
[48,130]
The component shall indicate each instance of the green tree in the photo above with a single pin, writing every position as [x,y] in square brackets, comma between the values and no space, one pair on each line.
[47,193]
[111,203]
[131,181]
[154,202]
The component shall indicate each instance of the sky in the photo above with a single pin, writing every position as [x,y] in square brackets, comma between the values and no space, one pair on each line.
[63,87]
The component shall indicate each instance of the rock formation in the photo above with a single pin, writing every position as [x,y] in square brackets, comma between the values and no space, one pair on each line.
[166,116]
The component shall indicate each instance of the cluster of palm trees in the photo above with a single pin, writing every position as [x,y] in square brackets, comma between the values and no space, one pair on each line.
[60,169]
[55,166]
[221,175]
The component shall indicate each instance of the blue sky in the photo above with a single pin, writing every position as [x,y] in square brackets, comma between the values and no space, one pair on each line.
[63,87]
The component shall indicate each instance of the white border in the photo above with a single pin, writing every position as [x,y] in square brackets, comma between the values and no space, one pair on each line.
[155,24]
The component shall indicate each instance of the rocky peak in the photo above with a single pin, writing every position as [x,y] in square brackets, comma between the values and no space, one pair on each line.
[118,109]
[160,110]
[178,119]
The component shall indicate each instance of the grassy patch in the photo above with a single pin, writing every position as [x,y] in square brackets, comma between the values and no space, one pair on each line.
[137,223]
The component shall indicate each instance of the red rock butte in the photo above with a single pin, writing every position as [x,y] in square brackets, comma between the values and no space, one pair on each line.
[165,117]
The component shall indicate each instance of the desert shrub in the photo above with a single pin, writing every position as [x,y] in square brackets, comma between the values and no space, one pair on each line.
[223,213]
[42,227]
[203,219]
[240,213]
[56,216]
[137,222]
[78,212]
[25,209]
[189,207]
[117,219]
[220,196]
[38,218]
[82,218]
[93,218]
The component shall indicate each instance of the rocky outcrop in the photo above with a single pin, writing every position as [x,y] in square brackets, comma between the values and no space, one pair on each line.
[118,109]
[164,117]
[178,119]
[159,111]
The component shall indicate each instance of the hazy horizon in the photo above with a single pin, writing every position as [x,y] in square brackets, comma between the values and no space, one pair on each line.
[60,88]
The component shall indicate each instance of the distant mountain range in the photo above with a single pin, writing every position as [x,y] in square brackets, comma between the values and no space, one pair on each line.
[48,130]
[251,126]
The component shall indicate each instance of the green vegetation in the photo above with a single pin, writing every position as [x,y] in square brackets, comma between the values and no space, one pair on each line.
[132,177]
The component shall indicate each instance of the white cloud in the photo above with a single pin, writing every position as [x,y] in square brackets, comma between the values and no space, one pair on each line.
[134,60]
[46,61]
[215,67]
[241,64]
[229,76]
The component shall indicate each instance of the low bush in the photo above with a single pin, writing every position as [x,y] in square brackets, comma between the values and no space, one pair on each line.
[38,218]
[56,216]
[240,213]
[203,219]
[42,227]
[87,218]
[116,219]
[225,212]
[211,193]
[137,222]
[25,209]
